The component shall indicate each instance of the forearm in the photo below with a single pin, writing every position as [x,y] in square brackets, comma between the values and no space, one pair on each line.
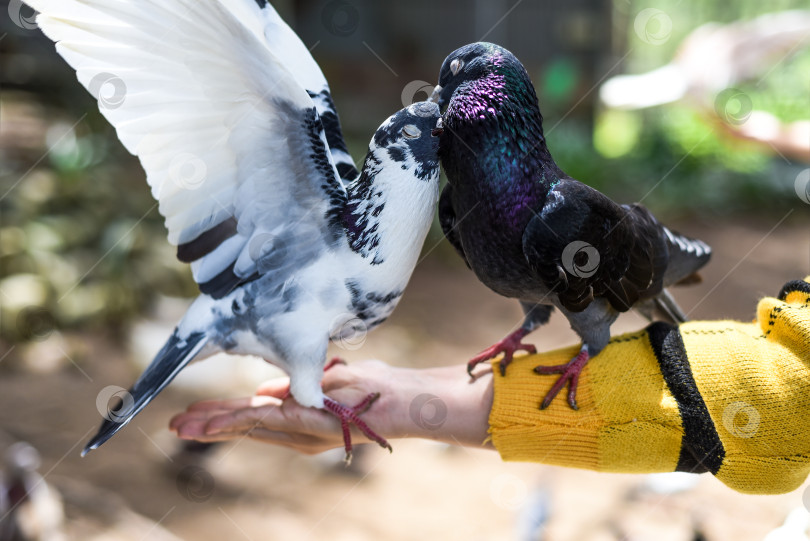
[441,404]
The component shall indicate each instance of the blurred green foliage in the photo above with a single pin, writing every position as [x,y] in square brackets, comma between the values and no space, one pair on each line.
[676,163]
[673,157]
[81,241]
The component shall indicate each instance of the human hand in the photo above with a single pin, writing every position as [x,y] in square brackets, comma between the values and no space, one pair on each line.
[435,403]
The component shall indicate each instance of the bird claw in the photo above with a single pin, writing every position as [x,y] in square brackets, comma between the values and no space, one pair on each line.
[350,415]
[333,362]
[570,373]
[365,404]
[508,346]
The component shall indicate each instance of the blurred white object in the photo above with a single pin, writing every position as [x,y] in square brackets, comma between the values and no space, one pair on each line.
[712,58]
[30,509]
[656,87]
[670,483]
[534,515]
[794,528]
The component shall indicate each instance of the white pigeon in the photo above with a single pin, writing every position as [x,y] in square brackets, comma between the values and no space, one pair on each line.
[233,122]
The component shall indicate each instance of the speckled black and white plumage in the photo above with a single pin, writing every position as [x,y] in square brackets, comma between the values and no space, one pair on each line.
[520,222]
[235,126]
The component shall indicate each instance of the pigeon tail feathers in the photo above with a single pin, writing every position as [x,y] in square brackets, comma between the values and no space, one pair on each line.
[176,353]
[686,256]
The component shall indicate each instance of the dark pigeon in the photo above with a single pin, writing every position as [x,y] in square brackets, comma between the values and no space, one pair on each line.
[531,232]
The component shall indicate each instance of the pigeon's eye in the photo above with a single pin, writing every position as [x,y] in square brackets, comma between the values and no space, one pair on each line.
[456,65]
[411,132]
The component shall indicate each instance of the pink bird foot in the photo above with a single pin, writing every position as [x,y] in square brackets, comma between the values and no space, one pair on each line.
[570,374]
[333,362]
[350,416]
[508,346]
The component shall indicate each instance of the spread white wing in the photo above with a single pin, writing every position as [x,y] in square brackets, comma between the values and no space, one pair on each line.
[214,98]
[266,24]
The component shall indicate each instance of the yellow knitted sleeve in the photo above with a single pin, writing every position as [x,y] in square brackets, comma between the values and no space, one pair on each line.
[724,397]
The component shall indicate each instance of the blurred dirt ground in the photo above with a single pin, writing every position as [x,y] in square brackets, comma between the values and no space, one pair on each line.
[136,487]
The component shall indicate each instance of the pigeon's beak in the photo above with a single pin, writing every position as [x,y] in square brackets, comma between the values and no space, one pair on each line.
[439,129]
[434,96]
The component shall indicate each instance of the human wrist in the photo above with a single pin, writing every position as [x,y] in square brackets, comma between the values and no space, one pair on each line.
[440,404]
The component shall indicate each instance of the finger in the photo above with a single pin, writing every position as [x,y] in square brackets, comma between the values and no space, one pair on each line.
[229,404]
[203,438]
[186,417]
[300,442]
[190,428]
[246,419]
[193,427]
[278,387]
[202,412]
[279,437]
[196,416]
